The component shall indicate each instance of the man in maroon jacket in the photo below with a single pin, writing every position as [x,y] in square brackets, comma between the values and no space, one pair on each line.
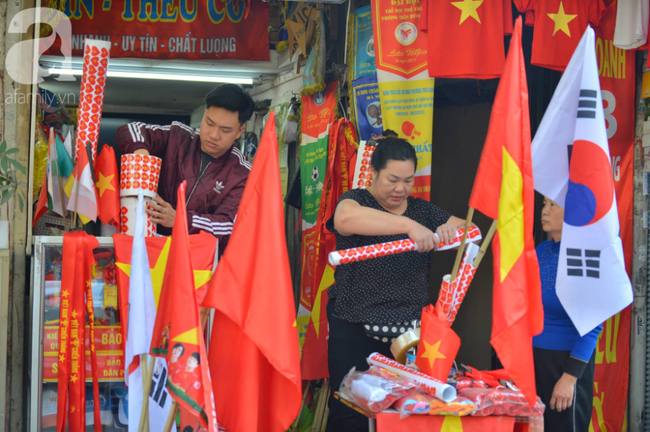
[215,170]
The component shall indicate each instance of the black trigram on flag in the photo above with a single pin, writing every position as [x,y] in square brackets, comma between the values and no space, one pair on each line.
[583,263]
[587,104]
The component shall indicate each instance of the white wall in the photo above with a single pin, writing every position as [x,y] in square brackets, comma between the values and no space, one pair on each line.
[197,116]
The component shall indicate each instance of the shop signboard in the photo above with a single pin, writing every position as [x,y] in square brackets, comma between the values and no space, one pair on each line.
[617,82]
[171,29]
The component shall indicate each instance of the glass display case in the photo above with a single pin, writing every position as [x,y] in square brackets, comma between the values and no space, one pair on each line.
[46,297]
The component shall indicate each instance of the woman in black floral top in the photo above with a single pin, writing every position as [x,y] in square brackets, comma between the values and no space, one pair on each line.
[385,293]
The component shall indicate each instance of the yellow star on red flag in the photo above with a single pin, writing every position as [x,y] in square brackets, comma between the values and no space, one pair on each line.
[562,20]
[469,8]
[73,378]
[432,352]
[74,313]
[104,183]
[65,293]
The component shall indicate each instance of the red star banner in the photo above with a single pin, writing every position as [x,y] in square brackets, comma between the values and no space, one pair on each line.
[503,190]
[438,346]
[474,27]
[391,422]
[75,286]
[254,355]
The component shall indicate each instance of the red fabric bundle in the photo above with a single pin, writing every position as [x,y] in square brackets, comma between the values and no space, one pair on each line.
[501,401]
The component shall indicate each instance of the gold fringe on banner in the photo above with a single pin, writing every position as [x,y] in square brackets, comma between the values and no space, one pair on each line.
[318,48]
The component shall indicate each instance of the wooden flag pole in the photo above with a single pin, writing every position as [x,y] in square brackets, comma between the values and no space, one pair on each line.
[461,248]
[62,192]
[485,244]
[147,377]
[172,417]
[76,202]
[294,426]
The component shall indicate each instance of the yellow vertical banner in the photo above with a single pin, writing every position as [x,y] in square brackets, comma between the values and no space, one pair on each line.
[405,90]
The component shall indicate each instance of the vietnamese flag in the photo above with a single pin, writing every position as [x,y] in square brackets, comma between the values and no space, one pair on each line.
[438,345]
[503,190]
[202,251]
[108,190]
[423,423]
[178,333]
[254,357]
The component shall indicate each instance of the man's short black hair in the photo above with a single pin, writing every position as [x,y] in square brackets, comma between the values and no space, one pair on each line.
[188,429]
[179,345]
[196,357]
[233,98]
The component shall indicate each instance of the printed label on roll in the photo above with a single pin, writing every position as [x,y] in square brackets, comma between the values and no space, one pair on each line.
[139,172]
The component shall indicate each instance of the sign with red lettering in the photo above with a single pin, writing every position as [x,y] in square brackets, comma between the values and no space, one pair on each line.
[108,345]
[617,81]
[171,29]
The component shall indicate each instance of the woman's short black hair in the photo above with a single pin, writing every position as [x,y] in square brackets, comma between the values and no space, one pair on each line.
[233,98]
[393,148]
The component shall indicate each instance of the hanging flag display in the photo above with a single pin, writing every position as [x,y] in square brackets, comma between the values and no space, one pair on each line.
[572,166]
[256,366]
[108,187]
[76,301]
[178,332]
[318,113]
[613,348]
[365,109]
[473,27]
[338,180]
[559,25]
[80,189]
[503,190]
[190,30]
[405,89]
[367,106]
[362,44]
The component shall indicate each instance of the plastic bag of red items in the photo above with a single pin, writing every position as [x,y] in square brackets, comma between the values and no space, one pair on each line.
[474,378]
[375,389]
[424,404]
[502,402]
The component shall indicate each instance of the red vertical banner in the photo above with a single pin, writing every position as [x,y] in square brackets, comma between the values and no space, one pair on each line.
[617,81]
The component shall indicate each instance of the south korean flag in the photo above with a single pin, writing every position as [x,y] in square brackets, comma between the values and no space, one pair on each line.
[571,166]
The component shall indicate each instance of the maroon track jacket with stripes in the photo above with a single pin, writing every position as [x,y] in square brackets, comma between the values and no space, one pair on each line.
[213,199]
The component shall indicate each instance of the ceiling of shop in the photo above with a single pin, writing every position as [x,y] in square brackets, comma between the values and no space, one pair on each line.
[127,95]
